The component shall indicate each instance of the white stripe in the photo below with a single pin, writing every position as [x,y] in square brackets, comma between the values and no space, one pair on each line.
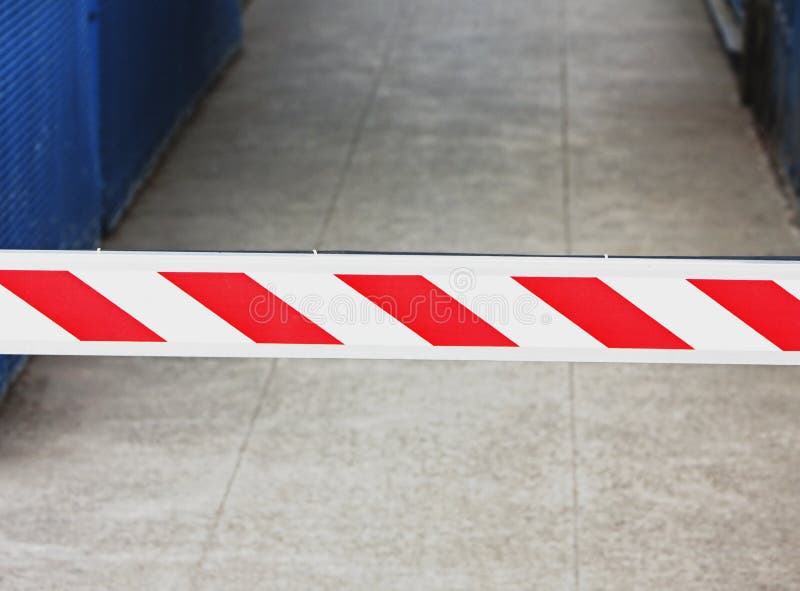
[162,307]
[21,322]
[515,311]
[792,286]
[329,302]
[690,314]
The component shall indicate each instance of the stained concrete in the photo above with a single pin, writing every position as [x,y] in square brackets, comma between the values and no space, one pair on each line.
[535,126]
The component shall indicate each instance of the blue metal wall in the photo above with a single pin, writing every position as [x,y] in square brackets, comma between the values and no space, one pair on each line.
[89,89]
[770,76]
[785,97]
[738,7]
[156,57]
[49,174]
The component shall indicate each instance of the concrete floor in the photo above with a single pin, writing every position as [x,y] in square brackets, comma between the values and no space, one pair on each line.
[529,126]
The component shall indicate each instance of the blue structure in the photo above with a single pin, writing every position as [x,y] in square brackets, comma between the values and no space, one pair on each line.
[785,90]
[49,162]
[156,58]
[772,80]
[738,8]
[90,90]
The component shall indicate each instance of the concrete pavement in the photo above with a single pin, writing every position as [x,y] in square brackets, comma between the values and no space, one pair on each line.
[535,126]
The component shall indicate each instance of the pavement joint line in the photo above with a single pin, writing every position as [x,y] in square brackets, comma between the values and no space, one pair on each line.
[220,511]
[566,171]
[566,195]
[338,189]
[358,131]
[574,463]
[337,192]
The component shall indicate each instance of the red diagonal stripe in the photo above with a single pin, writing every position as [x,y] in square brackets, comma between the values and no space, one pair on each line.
[251,308]
[77,308]
[427,310]
[602,312]
[763,305]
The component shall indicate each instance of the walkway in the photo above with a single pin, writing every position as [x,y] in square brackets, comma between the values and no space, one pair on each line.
[524,126]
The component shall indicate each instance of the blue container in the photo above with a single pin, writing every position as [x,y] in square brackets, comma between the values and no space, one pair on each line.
[738,8]
[49,169]
[785,101]
[787,87]
[89,92]
[49,173]
[771,79]
[793,88]
[156,58]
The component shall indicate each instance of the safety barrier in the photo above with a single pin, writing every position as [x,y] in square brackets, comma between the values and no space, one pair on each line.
[401,306]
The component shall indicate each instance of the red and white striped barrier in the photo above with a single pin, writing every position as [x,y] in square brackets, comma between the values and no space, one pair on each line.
[400,306]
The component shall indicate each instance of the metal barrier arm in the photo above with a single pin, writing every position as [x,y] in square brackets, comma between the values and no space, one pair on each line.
[400,306]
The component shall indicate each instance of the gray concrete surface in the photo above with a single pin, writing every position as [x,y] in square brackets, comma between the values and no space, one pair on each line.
[535,126]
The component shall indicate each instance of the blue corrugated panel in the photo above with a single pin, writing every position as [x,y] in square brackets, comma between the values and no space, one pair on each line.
[785,100]
[87,97]
[738,8]
[793,89]
[787,87]
[49,180]
[771,79]
[48,162]
[156,58]
[781,52]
